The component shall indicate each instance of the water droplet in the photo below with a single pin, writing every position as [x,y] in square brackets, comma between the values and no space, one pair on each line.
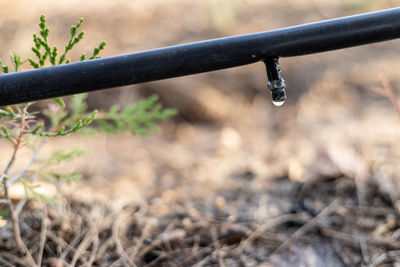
[278,103]
[278,96]
[276,84]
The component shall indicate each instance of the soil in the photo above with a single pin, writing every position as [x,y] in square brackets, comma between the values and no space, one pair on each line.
[232,180]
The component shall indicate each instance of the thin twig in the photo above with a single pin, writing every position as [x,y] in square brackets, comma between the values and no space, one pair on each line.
[156,261]
[267,225]
[386,91]
[95,247]
[95,240]
[217,246]
[306,227]
[20,205]
[120,248]
[60,242]
[21,173]
[118,262]
[203,261]
[10,162]
[24,122]
[13,258]
[43,234]
[378,260]
[355,240]
[156,242]
[17,146]
[15,223]
[103,248]
[364,251]
[195,254]
[87,240]
[71,246]
[338,249]
[139,241]
[3,262]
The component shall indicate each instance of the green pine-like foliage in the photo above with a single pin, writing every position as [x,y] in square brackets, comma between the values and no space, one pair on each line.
[19,124]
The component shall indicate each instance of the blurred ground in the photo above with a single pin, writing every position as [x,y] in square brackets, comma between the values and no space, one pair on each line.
[233,181]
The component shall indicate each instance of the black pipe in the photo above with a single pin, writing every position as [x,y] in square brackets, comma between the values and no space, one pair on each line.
[199,57]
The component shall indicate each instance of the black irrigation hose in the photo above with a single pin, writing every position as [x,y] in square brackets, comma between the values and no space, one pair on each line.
[199,57]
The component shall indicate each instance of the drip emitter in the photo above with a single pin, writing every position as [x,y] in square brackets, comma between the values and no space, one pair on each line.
[203,56]
[276,84]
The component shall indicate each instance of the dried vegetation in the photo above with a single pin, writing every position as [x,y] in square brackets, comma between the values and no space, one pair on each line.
[235,181]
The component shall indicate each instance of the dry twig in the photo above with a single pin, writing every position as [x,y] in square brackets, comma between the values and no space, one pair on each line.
[87,240]
[124,256]
[386,91]
[18,143]
[306,227]
[43,234]
[267,225]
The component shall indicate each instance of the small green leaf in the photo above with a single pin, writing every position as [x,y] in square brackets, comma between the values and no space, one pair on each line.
[4,68]
[36,130]
[60,101]
[78,104]
[69,177]
[97,50]
[59,156]
[4,214]
[33,63]
[47,199]
[139,118]
[83,57]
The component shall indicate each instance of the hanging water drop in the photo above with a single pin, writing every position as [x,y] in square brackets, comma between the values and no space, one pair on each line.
[278,104]
[276,84]
[278,95]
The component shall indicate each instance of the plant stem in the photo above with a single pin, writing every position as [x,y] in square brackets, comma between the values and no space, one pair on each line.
[17,176]
[13,215]
[14,220]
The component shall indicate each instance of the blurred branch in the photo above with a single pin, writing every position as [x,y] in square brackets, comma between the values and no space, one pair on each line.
[22,125]
[306,227]
[17,176]
[385,90]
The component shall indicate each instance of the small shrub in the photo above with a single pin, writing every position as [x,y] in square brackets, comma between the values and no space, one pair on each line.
[21,126]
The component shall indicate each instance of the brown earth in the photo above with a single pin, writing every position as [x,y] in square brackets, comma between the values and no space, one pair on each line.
[233,180]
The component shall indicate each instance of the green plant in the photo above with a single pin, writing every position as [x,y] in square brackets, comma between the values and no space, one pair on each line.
[21,126]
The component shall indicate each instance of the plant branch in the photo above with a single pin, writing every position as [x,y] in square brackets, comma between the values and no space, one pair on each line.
[15,223]
[43,234]
[386,91]
[20,205]
[17,145]
[17,176]
[14,216]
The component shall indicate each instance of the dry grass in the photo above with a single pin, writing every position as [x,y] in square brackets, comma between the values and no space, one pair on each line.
[233,181]
[229,227]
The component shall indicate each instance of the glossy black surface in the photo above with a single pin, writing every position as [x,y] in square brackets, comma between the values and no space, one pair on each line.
[199,57]
[276,84]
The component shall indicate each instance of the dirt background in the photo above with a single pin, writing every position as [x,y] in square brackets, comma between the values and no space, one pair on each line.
[232,180]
